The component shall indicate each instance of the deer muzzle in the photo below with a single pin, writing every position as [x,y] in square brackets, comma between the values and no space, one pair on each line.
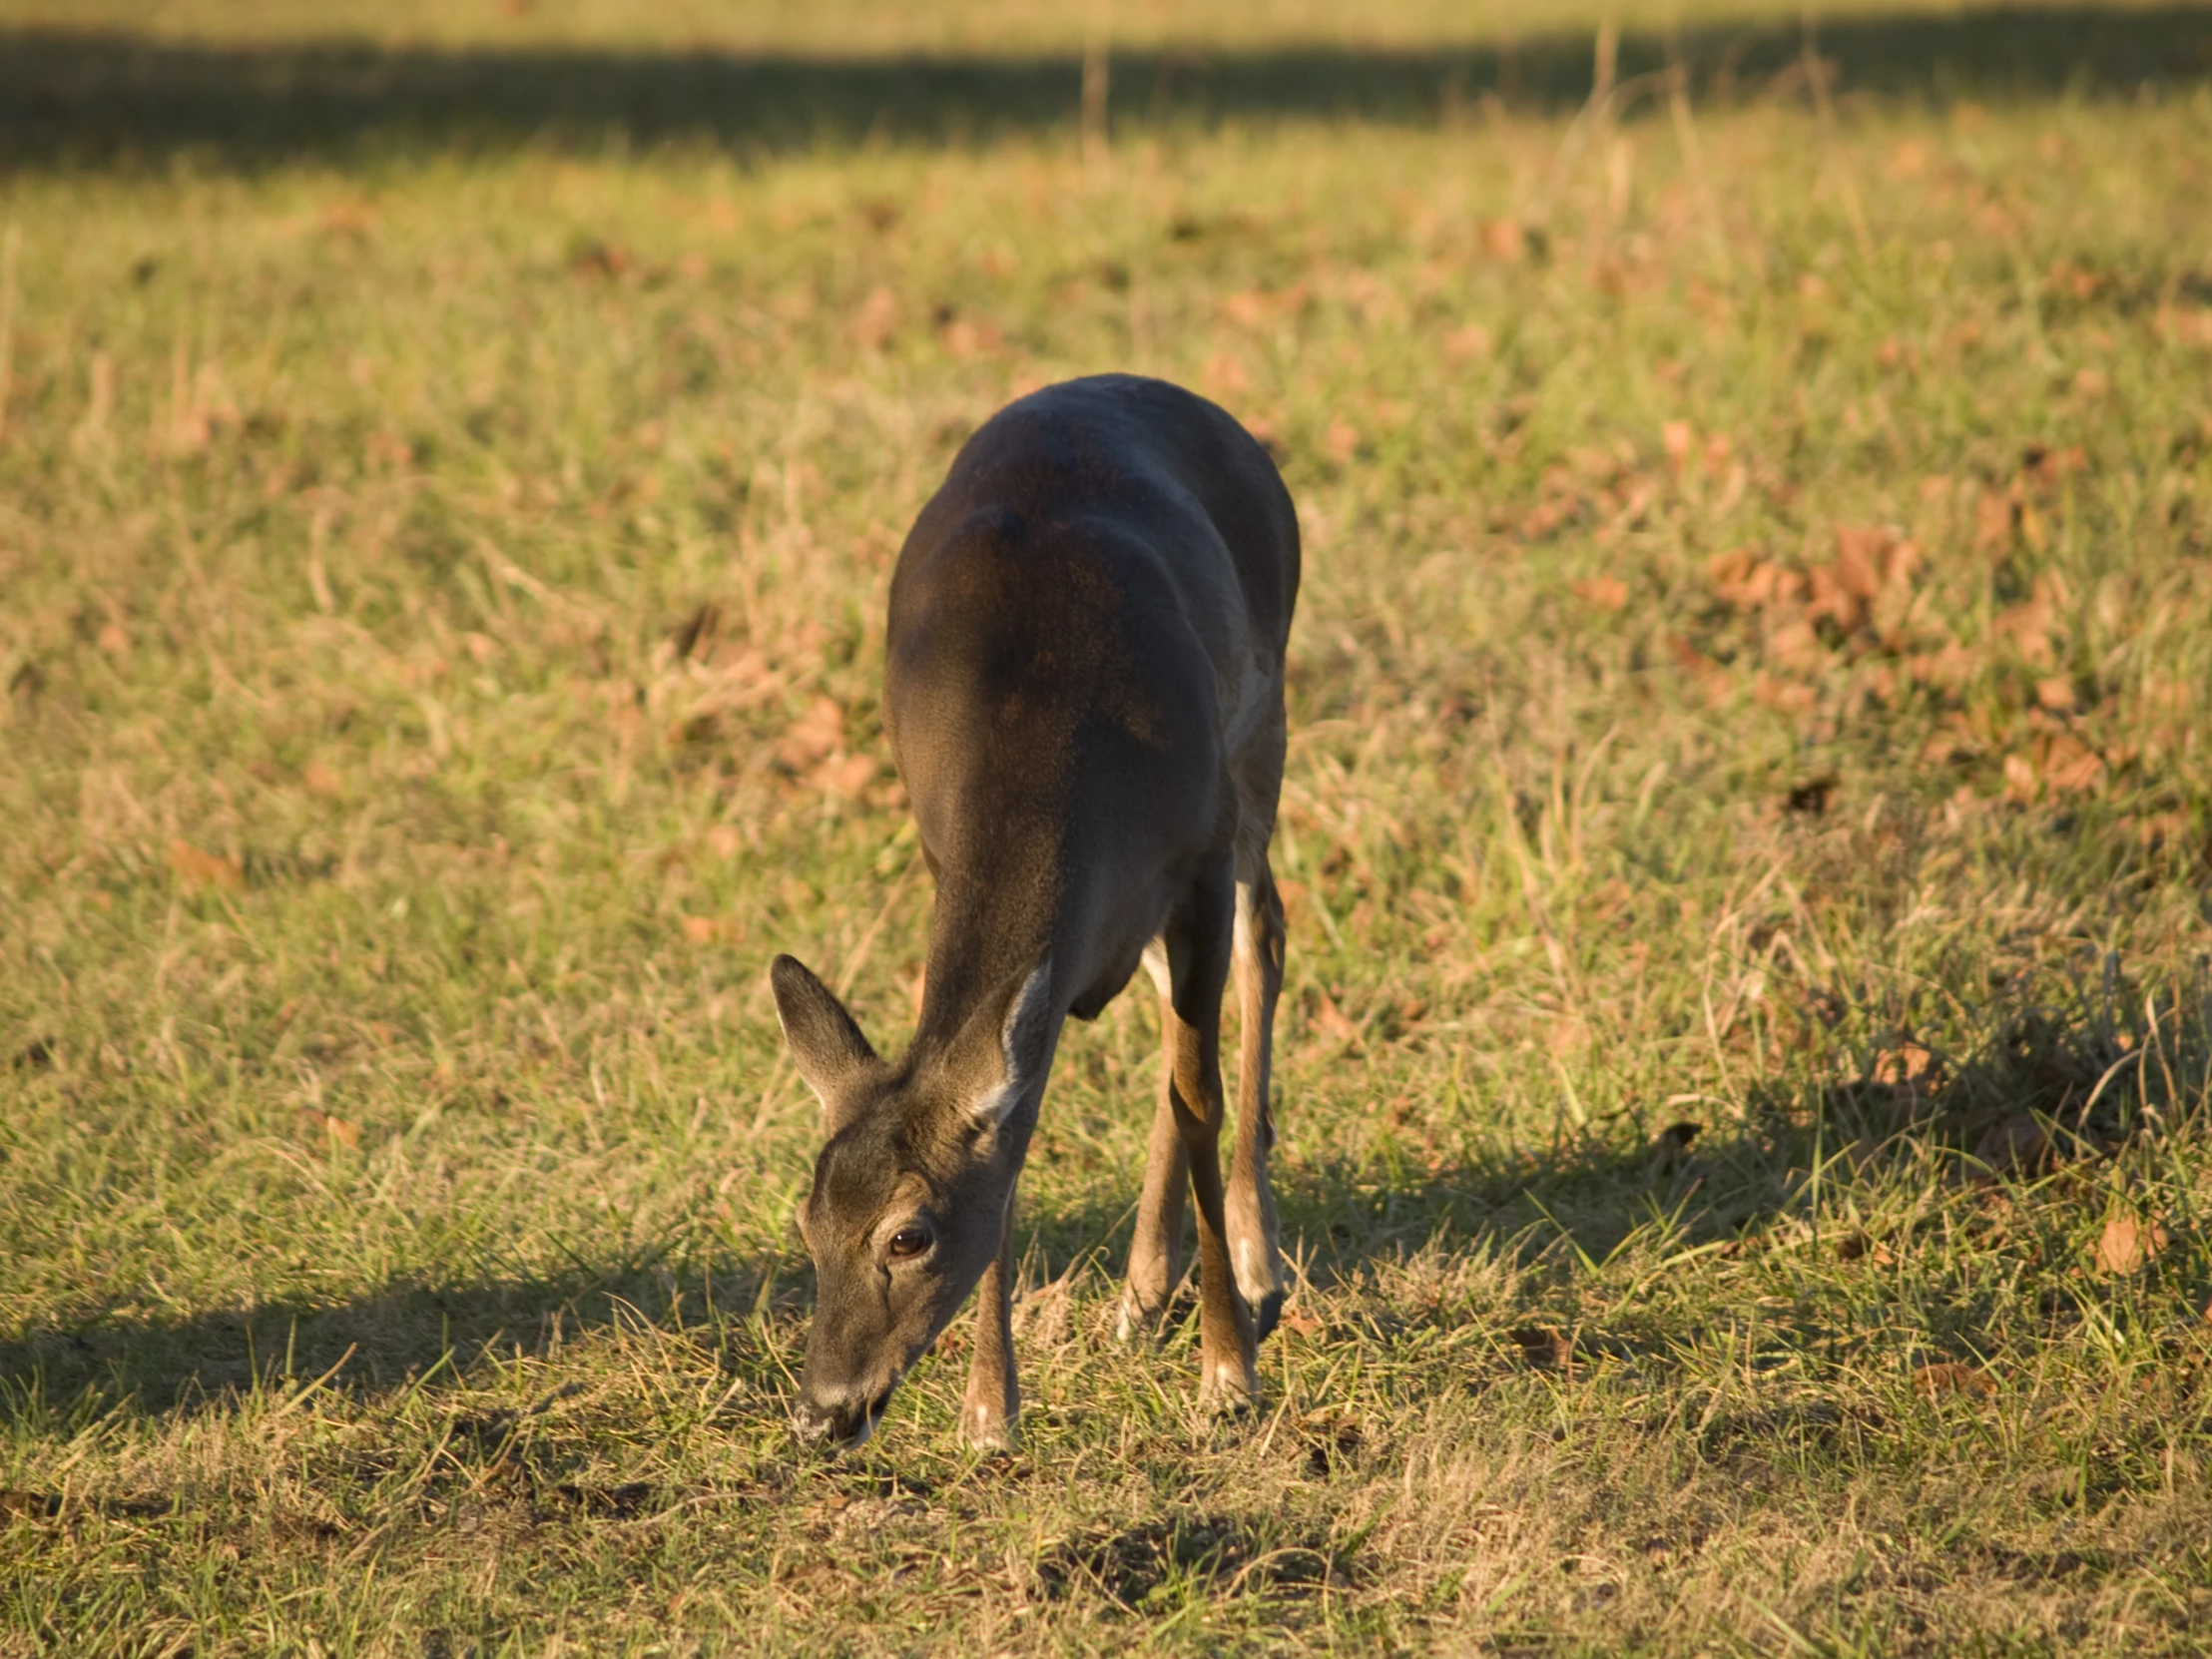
[844,1420]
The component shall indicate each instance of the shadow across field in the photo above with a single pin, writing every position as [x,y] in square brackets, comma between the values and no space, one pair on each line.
[2050,1087]
[89,99]
[409,1329]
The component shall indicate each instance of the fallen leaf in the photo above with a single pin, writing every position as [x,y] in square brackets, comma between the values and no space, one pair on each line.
[876,320]
[1503,239]
[845,776]
[1469,339]
[321,779]
[1607,592]
[1677,437]
[1949,1377]
[1330,1022]
[1545,1347]
[1224,373]
[1853,1245]
[1908,1062]
[1993,518]
[1342,441]
[114,640]
[724,841]
[2070,765]
[1300,1322]
[2127,1246]
[201,870]
[598,258]
[702,929]
[345,1131]
[813,737]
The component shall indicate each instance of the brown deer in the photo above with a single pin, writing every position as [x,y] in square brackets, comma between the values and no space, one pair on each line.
[1084,695]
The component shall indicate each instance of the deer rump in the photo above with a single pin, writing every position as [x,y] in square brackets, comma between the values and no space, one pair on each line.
[1084,694]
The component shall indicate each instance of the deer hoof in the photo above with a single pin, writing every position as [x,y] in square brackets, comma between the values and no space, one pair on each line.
[1136,1323]
[987,1430]
[1230,1389]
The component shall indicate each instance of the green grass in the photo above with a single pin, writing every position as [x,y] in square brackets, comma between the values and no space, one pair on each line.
[440,616]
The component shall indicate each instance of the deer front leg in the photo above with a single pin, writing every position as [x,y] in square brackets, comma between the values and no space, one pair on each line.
[1156,1253]
[1229,1374]
[990,1415]
[1252,1232]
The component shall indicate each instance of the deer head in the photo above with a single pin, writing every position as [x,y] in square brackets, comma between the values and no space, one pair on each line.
[908,1205]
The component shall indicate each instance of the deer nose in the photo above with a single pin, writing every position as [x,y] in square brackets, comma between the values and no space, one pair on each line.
[846,1422]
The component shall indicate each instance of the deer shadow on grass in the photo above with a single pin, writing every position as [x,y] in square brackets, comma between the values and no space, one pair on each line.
[2046,1088]
[422,1331]
[101,99]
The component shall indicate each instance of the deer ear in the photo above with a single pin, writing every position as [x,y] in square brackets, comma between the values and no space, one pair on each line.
[826,1044]
[1027,1031]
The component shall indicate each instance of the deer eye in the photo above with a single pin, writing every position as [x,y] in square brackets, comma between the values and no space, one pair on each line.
[908,1242]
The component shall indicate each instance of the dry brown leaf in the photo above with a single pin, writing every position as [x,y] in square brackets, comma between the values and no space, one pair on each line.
[725,842]
[1503,239]
[1856,1244]
[1223,372]
[1341,440]
[2128,1245]
[1677,437]
[345,1131]
[876,320]
[1545,1347]
[1908,1062]
[1331,1021]
[1469,339]
[813,737]
[321,779]
[702,929]
[1950,1378]
[2070,765]
[1300,1322]
[845,775]
[203,870]
[1607,592]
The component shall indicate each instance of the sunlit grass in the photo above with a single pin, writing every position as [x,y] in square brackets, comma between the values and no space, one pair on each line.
[1751,676]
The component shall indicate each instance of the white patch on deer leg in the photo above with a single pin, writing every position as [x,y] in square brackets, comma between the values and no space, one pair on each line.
[1228,1380]
[1156,964]
[1256,1274]
[987,1430]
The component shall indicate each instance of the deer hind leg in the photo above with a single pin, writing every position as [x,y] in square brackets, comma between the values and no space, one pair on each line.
[1156,1253]
[990,1415]
[1199,950]
[1252,1232]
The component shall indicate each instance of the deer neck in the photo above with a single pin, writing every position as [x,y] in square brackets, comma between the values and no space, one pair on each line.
[985,931]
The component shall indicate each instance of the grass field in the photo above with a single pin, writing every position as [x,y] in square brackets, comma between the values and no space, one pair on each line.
[1747,1057]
